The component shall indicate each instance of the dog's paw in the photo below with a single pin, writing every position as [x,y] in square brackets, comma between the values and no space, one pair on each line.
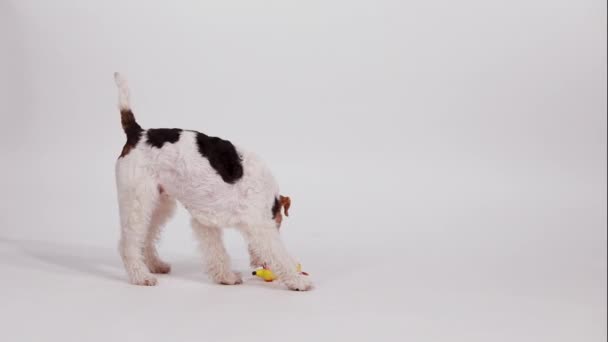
[229,278]
[298,283]
[144,280]
[159,267]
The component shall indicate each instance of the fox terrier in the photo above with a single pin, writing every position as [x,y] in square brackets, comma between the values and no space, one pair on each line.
[219,184]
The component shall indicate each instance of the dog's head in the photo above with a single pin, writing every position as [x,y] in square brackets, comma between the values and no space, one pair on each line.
[282,203]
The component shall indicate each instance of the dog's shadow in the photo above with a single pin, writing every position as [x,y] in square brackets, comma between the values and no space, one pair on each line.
[63,257]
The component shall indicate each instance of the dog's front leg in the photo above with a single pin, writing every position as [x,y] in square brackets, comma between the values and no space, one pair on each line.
[254,259]
[266,244]
[217,261]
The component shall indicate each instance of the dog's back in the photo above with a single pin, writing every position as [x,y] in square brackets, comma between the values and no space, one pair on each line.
[204,173]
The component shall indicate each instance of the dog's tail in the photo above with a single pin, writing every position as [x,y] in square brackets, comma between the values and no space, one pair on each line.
[129,125]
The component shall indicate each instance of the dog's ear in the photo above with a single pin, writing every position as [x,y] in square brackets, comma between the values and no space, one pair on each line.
[285,203]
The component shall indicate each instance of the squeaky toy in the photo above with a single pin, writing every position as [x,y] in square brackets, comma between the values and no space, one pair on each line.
[266,273]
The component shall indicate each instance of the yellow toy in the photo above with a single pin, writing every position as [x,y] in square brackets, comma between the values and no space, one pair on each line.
[266,274]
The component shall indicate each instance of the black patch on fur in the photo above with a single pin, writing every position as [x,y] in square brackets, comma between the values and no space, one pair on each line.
[222,156]
[157,137]
[276,208]
[132,129]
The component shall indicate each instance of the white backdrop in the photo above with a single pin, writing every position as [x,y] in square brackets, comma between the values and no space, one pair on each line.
[446,159]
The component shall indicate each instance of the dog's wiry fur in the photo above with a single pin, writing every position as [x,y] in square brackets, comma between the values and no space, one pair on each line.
[220,185]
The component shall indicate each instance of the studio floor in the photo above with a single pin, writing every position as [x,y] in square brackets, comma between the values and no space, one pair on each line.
[386,288]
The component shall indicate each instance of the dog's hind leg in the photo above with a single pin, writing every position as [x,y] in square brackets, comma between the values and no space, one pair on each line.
[162,213]
[138,196]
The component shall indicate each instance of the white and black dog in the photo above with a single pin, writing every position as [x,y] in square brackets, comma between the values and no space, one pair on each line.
[221,185]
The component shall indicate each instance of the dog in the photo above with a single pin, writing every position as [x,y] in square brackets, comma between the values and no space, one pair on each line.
[221,185]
